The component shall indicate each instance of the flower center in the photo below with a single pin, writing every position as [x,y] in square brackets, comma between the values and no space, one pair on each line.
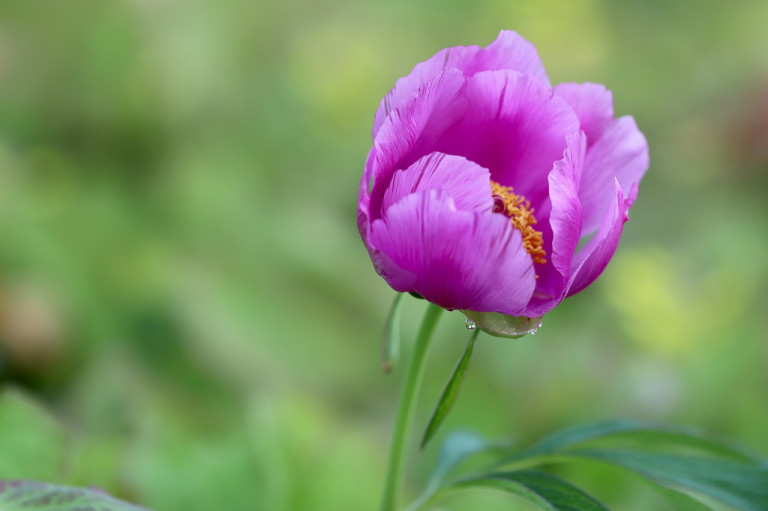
[520,213]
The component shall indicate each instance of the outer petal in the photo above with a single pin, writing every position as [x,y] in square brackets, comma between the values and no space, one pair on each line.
[463,181]
[593,104]
[456,259]
[564,231]
[508,51]
[439,102]
[514,126]
[590,262]
[621,154]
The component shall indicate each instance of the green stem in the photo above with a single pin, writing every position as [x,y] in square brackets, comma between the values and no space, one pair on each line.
[406,407]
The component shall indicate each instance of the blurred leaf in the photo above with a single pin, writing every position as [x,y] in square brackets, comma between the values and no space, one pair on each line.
[31,442]
[458,446]
[544,490]
[636,433]
[36,496]
[390,339]
[679,501]
[739,484]
[450,392]
[670,457]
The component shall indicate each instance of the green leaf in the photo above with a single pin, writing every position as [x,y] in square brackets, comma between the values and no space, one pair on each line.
[457,446]
[674,459]
[544,490]
[638,434]
[450,392]
[570,437]
[678,500]
[31,441]
[36,496]
[390,338]
[743,485]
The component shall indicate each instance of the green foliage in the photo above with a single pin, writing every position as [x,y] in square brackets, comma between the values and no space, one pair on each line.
[543,490]
[450,392]
[390,337]
[675,462]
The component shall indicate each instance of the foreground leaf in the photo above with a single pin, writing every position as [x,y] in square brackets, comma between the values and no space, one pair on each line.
[676,461]
[678,500]
[36,496]
[637,433]
[450,392]
[739,484]
[457,447]
[543,490]
[390,338]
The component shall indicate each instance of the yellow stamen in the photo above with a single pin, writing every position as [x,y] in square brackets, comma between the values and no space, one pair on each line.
[520,213]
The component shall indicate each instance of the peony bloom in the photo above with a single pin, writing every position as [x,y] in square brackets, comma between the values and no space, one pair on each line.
[483,180]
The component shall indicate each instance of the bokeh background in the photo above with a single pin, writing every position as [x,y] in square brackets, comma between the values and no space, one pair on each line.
[189,320]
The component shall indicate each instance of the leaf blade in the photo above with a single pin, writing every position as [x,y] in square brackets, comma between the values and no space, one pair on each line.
[739,484]
[635,431]
[544,490]
[390,336]
[450,392]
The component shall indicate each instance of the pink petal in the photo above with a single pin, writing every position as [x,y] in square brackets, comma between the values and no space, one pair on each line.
[515,127]
[439,102]
[508,51]
[590,262]
[621,154]
[456,259]
[593,104]
[467,183]
[565,217]
[562,237]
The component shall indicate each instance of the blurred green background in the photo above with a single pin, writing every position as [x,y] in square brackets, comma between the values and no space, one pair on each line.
[189,320]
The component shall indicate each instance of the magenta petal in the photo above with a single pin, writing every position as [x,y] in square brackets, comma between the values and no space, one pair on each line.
[508,51]
[457,259]
[515,127]
[620,154]
[467,183]
[421,120]
[565,218]
[593,104]
[590,262]
[565,227]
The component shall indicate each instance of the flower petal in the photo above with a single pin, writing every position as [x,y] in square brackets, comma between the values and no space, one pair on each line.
[515,127]
[439,102]
[508,51]
[456,259]
[621,153]
[467,183]
[590,262]
[565,218]
[593,104]
[562,237]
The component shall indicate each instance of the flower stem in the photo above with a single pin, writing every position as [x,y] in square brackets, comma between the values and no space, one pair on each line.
[406,407]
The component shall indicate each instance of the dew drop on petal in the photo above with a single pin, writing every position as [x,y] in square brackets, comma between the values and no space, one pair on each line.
[470,324]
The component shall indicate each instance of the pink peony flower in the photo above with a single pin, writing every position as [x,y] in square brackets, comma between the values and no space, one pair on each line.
[483,179]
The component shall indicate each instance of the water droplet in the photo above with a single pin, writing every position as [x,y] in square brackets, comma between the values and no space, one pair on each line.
[470,324]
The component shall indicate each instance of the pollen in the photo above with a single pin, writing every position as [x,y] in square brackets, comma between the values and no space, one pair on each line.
[520,213]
